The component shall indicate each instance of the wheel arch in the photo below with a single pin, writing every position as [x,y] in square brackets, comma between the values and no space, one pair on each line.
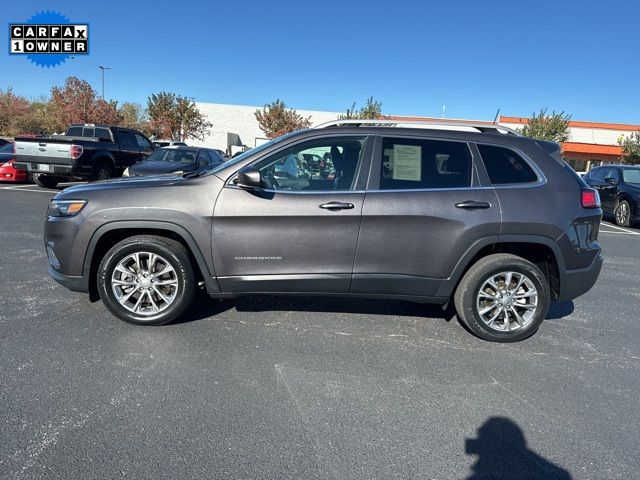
[539,250]
[111,233]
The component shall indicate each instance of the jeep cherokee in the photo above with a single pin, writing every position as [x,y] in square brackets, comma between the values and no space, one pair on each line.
[470,213]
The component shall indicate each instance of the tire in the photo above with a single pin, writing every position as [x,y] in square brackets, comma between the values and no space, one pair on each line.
[102,171]
[470,303]
[622,213]
[45,181]
[143,299]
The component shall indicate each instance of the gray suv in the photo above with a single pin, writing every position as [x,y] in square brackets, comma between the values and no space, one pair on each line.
[473,214]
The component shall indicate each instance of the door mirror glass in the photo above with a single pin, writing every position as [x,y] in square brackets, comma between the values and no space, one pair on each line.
[249,178]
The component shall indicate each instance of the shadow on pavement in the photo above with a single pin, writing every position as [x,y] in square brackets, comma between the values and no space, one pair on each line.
[503,454]
[560,309]
[204,307]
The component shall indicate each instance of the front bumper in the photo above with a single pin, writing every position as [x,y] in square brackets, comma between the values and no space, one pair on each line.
[73,283]
[576,282]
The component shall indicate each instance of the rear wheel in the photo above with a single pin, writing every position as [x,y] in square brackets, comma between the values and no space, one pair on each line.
[45,181]
[147,280]
[623,213]
[502,298]
[102,171]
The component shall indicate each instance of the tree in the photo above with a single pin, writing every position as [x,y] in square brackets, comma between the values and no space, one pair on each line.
[371,111]
[630,148]
[276,119]
[176,117]
[553,127]
[12,109]
[133,116]
[77,102]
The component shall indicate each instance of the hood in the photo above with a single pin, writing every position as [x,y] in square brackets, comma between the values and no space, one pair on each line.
[156,167]
[85,189]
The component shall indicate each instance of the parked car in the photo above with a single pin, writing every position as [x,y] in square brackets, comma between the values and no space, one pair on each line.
[3,142]
[176,160]
[85,152]
[619,189]
[494,222]
[8,171]
[168,143]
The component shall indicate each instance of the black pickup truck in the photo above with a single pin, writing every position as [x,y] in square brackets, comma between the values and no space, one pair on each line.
[84,152]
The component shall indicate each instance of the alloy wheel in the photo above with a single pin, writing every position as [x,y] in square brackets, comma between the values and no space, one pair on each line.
[507,301]
[622,213]
[144,283]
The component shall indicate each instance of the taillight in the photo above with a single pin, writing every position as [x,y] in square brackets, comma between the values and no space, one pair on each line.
[76,151]
[589,198]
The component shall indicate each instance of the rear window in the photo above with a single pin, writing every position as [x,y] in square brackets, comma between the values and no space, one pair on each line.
[506,166]
[412,164]
[74,132]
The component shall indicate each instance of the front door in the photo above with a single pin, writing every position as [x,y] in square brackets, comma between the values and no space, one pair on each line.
[299,232]
[423,210]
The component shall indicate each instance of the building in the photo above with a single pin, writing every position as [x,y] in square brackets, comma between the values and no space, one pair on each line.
[235,128]
[589,143]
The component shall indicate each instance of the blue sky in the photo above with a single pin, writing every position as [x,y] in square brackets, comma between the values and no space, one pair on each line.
[414,56]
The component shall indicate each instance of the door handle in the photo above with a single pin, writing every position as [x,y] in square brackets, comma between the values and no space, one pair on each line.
[337,206]
[472,205]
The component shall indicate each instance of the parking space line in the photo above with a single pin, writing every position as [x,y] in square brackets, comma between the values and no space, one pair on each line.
[619,228]
[617,233]
[17,189]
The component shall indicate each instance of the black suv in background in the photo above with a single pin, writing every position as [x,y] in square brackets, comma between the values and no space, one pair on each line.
[477,215]
[619,188]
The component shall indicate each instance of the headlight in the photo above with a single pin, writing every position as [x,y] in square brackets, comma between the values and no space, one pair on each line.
[126,172]
[65,208]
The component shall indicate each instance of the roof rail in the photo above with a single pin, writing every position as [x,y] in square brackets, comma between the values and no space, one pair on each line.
[435,124]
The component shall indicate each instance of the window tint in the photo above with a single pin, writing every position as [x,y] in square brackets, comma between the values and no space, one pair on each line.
[216,158]
[290,169]
[142,142]
[103,133]
[506,166]
[74,131]
[89,132]
[203,158]
[126,139]
[419,164]
[597,173]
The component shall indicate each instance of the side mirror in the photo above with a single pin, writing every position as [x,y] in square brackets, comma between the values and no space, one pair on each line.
[611,181]
[248,178]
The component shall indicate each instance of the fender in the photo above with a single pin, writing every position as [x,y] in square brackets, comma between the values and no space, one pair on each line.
[209,277]
[449,284]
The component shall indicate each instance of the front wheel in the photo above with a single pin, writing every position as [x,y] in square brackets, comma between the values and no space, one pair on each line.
[623,213]
[503,298]
[147,280]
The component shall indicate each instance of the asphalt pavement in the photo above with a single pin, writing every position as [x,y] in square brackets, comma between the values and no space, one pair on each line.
[306,388]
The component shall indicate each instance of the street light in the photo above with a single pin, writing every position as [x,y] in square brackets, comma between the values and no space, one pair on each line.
[103,69]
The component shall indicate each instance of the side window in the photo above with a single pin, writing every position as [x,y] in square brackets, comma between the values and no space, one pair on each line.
[215,157]
[419,164]
[291,170]
[126,139]
[597,173]
[203,158]
[142,142]
[506,166]
[89,132]
[103,133]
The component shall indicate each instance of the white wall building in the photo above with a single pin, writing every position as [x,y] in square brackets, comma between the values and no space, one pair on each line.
[235,125]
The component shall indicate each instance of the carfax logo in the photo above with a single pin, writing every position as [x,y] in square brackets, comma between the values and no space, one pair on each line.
[48,39]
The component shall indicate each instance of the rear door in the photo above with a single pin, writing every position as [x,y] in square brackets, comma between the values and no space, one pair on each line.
[424,208]
[299,233]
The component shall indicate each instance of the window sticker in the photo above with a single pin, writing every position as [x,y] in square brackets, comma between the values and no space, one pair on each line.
[407,162]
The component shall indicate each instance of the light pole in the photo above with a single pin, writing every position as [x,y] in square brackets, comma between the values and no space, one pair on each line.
[103,69]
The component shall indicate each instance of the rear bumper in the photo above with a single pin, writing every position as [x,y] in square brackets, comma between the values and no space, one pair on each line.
[579,281]
[73,283]
[79,171]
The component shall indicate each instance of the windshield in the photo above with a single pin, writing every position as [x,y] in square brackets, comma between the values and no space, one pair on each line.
[631,175]
[186,157]
[244,155]
[8,148]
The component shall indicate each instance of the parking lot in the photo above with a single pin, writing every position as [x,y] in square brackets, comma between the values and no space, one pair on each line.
[305,388]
